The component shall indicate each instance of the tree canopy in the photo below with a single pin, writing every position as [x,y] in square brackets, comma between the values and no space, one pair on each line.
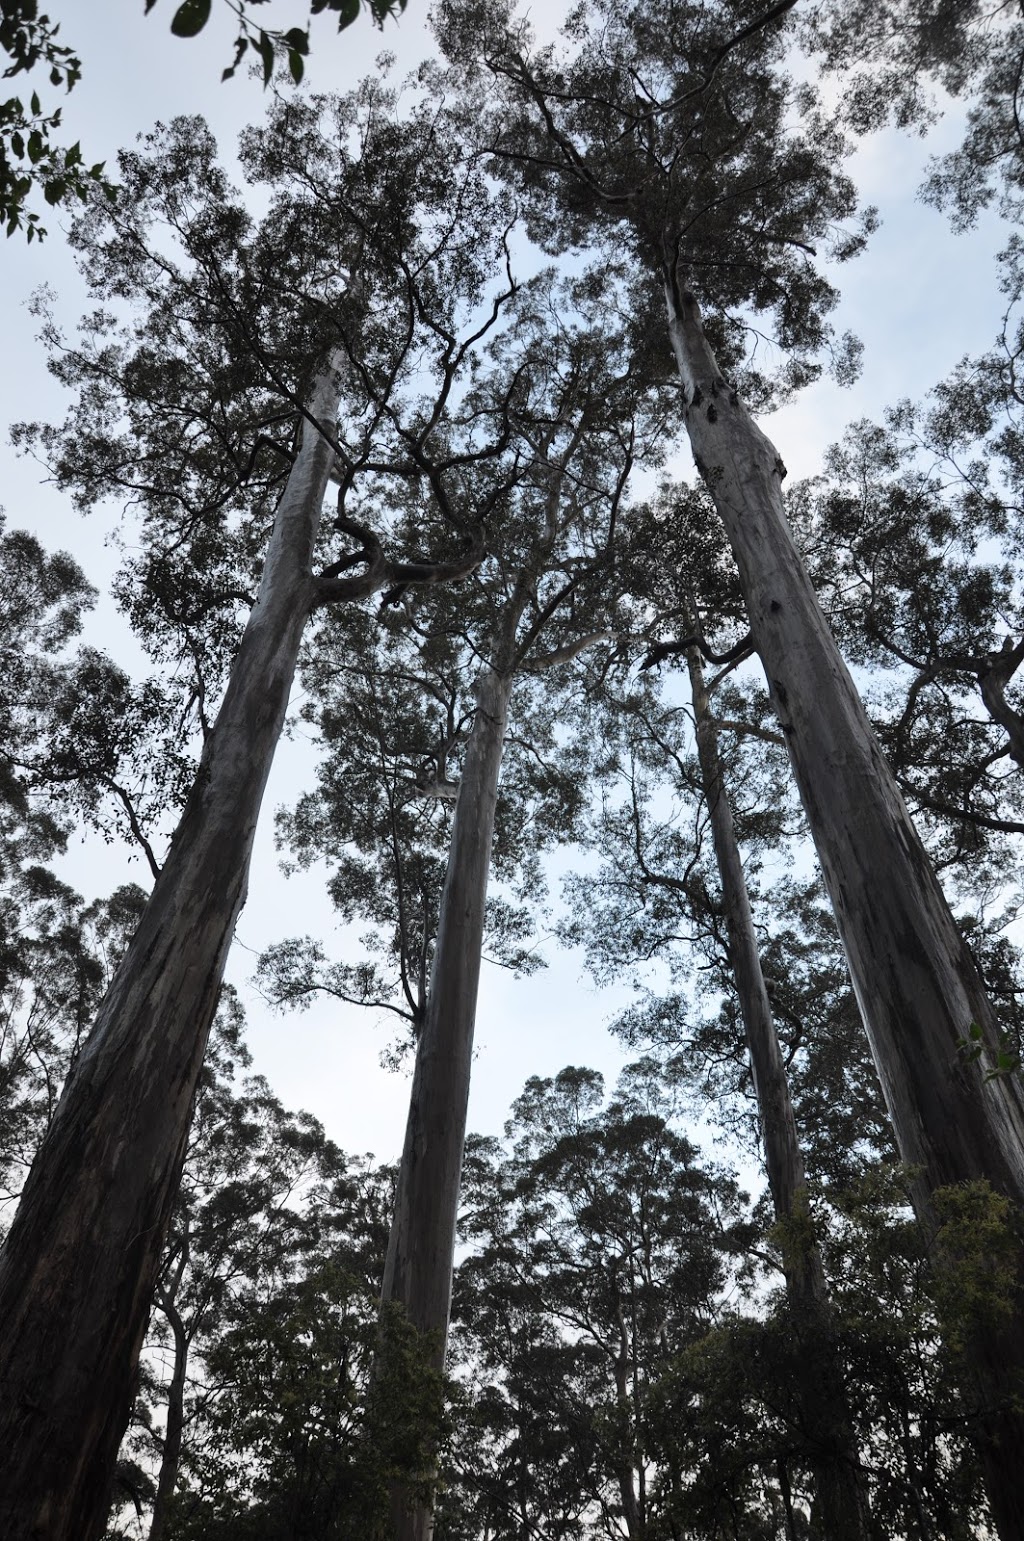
[391,410]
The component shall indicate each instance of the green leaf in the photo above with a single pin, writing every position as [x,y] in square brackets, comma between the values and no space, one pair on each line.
[149,6]
[295,64]
[297,40]
[974,1032]
[191,17]
[348,12]
[265,48]
[36,108]
[54,191]
[18,145]
[36,148]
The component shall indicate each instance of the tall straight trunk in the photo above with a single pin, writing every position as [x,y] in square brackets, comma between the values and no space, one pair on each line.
[79,1265]
[835,1460]
[916,983]
[170,1456]
[421,1248]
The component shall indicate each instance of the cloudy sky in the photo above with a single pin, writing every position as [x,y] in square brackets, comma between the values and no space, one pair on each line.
[919,300]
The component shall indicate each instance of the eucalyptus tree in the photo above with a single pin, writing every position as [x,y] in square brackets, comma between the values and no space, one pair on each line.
[657,896]
[839,1484]
[666,135]
[265,1199]
[210,396]
[898,59]
[57,952]
[654,886]
[575,413]
[600,1247]
[313,1418]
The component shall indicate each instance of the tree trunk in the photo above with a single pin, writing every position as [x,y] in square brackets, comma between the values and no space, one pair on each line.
[993,683]
[79,1265]
[916,983]
[826,1418]
[170,1459]
[418,1273]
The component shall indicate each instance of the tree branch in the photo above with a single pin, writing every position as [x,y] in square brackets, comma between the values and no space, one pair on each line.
[570,651]
[662,650]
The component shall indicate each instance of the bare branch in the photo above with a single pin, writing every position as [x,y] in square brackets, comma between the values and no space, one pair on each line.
[570,651]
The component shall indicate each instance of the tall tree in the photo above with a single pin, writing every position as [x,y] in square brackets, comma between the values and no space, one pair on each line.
[839,1483]
[575,414]
[266,1201]
[600,1246]
[654,885]
[240,326]
[670,132]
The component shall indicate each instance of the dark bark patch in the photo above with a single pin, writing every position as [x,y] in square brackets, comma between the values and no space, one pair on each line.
[712,414]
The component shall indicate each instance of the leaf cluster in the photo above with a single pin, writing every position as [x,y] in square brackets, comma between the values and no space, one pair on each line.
[670,135]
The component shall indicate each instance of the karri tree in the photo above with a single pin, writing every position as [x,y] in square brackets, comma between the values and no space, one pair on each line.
[666,796]
[601,1246]
[214,399]
[573,413]
[668,134]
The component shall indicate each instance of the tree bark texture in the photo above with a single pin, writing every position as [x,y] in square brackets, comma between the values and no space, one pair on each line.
[916,983]
[421,1248]
[835,1459]
[79,1265]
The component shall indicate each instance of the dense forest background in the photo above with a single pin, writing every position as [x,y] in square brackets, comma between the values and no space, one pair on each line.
[387,452]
